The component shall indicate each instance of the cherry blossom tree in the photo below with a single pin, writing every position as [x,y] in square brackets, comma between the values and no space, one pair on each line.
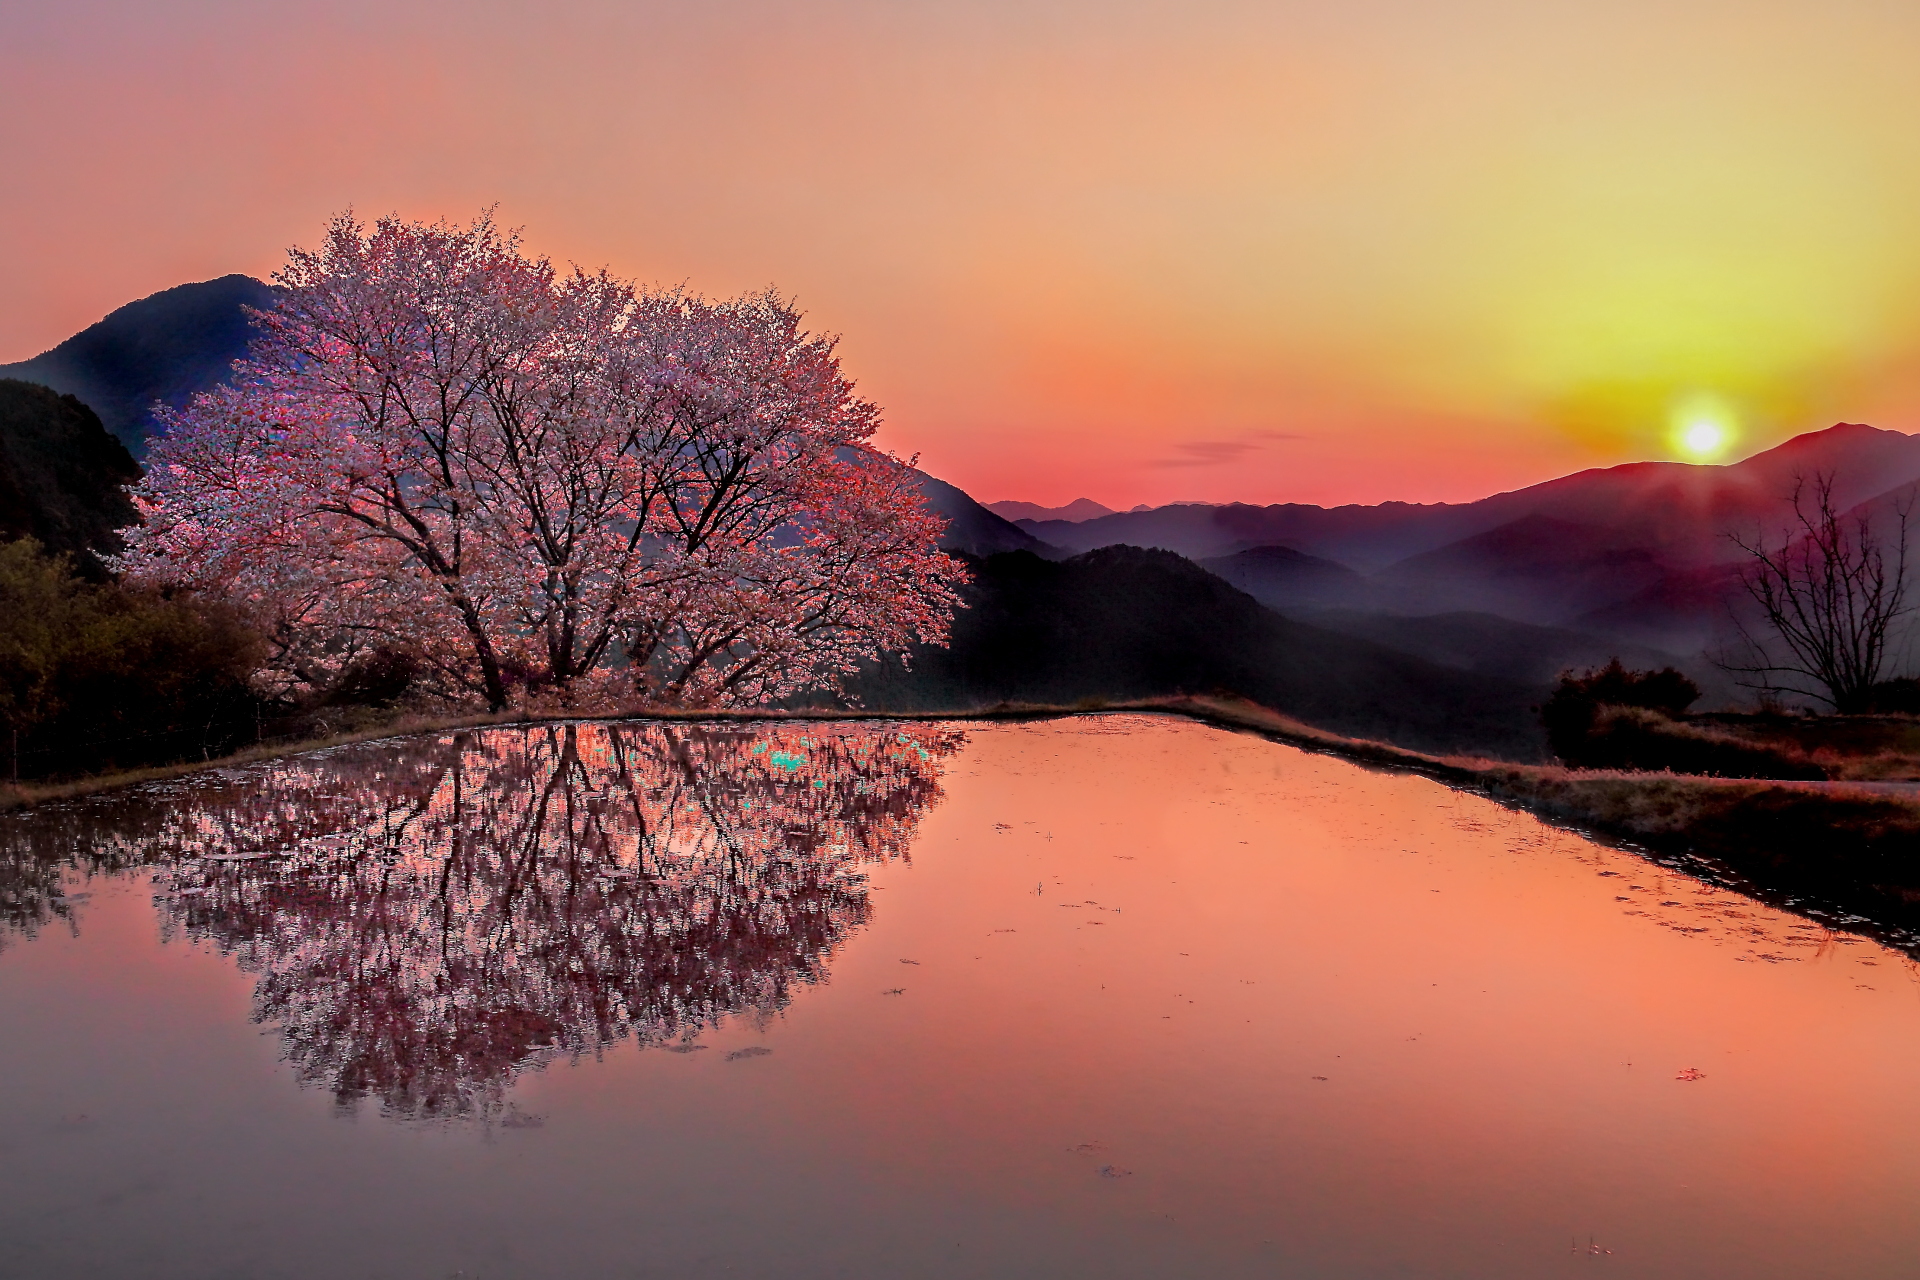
[541,484]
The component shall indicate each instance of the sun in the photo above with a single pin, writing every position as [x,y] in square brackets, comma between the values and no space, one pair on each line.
[1703,428]
[1703,439]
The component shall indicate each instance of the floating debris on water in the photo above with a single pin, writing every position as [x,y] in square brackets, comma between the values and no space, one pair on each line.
[1691,1073]
[751,1051]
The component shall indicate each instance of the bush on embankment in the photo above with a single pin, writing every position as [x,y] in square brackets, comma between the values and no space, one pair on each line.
[1613,718]
[96,676]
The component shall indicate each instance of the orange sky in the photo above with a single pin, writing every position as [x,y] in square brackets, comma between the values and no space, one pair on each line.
[1138,251]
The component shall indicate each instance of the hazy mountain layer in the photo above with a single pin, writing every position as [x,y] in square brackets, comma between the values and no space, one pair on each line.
[1078,509]
[973,528]
[1285,579]
[1497,646]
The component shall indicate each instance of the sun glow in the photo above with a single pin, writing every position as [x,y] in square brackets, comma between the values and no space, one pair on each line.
[1703,428]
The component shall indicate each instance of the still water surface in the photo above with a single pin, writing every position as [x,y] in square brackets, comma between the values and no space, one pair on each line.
[1115,996]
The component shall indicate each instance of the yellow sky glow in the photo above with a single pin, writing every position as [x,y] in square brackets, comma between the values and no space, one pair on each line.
[1143,252]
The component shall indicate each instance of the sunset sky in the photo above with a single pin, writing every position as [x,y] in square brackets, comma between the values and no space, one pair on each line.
[1141,252]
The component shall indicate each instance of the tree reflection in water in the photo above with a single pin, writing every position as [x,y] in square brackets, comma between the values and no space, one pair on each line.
[430,916]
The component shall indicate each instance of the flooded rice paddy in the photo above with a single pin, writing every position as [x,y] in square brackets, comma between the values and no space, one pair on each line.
[1115,996]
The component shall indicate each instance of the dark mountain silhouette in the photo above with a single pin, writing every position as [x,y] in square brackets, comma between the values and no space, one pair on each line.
[1635,554]
[165,347]
[973,528]
[1078,509]
[1284,579]
[60,473]
[1123,622]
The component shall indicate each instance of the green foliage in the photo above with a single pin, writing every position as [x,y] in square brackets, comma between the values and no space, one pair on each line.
[96,676]
[61,475]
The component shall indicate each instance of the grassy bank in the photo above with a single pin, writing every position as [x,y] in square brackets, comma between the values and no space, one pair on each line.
[1852,847]
[1855,848]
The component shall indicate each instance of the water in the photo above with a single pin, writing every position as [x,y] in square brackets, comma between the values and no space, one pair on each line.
[1116,996]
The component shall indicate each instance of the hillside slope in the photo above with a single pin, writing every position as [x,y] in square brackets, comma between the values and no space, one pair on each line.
[164,347]
[971,527]
[1123,622]
[60,473]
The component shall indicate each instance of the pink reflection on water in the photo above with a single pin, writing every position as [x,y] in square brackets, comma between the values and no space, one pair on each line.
[1146,998]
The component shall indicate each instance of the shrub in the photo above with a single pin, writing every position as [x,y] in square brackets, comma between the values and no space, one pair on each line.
[1613,718]
[1895,697]
[1643,739]
[1569,715]
[100,676]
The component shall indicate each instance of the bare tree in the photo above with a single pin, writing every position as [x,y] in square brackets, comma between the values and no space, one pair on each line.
[1832,594]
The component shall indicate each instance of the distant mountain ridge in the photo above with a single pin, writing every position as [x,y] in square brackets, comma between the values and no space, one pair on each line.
[1078,509]
[1677,512]
[165,347]
[973,528]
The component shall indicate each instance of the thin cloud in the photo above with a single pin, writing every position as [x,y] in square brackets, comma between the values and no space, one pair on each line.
[1216,453]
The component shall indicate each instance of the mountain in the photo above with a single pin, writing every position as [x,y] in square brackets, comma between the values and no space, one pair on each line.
[61,473]
[1284,579]
[165,347]
[1122,622]
[972,528]
[1078,509]
[1679,513]
[1535,569]
[1685,610]
[1362,537]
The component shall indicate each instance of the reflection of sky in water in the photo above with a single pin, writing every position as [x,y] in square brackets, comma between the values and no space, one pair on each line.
[1146,999]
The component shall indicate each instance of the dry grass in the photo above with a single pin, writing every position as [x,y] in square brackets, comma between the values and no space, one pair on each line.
[1856,748]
